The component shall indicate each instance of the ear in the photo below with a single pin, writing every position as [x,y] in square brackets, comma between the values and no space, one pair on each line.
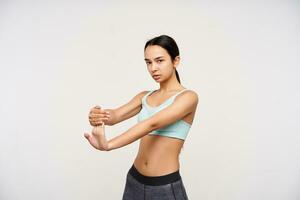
[176,61]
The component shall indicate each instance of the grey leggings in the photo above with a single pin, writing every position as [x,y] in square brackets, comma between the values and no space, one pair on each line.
[166,187]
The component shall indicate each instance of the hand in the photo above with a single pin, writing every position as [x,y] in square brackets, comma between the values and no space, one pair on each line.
[98,115]
[97,138]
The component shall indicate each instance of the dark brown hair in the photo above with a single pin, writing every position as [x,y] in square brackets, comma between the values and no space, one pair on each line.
[168,44]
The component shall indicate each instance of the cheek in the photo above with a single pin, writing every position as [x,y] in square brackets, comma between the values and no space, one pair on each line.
[167,67]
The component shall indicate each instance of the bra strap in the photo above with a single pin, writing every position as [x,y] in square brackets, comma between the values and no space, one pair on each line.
[179,92]
[145,96]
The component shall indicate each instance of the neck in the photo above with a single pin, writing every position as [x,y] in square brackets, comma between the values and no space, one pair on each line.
[170,85]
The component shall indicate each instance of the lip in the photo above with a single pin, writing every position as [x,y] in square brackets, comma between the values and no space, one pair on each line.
[156,76]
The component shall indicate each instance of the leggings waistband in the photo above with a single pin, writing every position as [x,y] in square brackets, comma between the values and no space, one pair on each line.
[154,180]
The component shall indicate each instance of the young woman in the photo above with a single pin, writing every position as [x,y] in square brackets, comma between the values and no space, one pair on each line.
[165,117]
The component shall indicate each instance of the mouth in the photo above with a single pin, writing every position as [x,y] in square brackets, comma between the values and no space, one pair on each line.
[156,77]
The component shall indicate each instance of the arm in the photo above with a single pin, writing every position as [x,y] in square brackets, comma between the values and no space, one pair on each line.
[98,140]
[125,111]
[183,104]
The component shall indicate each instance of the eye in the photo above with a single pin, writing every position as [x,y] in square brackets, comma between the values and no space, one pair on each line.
[160,60]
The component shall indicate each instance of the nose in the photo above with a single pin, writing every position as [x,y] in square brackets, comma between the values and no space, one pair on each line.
[153,68]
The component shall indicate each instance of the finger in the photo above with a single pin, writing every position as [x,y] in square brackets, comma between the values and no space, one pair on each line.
[104,111]
[95,124]
[97,110]
[100,111]
[99,121]
[98,115]
[94,121]
[94,109]
[89,139]
[87,135]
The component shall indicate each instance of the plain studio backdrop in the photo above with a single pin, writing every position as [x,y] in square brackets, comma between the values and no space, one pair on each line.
[58,59]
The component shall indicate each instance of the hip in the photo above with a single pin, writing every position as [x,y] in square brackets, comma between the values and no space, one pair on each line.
[166,187]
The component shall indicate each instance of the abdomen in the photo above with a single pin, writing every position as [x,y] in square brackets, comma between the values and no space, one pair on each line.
[158,155]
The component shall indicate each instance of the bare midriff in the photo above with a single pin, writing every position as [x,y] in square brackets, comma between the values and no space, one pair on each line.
[158,155]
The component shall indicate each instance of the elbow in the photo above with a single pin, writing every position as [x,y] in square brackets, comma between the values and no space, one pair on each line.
[152,125]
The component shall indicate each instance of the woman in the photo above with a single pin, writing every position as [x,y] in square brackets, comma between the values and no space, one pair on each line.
[165,116]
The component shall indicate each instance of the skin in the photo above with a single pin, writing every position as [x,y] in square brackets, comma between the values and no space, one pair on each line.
[157,155]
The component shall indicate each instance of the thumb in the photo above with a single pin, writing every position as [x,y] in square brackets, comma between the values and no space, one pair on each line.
[87,135]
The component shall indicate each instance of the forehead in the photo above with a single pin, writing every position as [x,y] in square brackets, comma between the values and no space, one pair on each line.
[153,51]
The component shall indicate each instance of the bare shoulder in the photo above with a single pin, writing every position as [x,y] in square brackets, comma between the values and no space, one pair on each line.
[138,97]
[144,92]
[141,94]
[189,95]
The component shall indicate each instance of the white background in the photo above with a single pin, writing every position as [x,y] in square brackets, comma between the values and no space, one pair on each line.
[60,58]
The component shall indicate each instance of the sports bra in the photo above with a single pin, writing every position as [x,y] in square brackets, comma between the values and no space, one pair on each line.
[178,129]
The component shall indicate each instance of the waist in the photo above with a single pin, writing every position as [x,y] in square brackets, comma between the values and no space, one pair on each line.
[150,165]
[154,180]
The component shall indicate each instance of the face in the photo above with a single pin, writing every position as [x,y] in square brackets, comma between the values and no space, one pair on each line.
[159,63]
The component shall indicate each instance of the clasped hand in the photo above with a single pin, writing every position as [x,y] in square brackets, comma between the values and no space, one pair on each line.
[97,138]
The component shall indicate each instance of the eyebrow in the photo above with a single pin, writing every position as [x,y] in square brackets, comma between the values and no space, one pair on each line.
[155,58]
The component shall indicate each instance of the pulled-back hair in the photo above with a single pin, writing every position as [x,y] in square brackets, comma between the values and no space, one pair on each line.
[168,44]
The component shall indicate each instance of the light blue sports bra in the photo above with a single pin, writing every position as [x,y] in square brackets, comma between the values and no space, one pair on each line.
[178,129]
